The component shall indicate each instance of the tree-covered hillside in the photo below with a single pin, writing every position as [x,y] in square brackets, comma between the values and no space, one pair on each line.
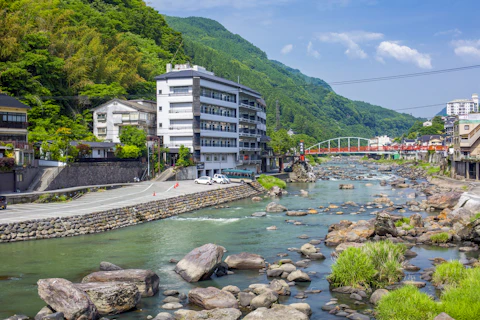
[308,105]
[54,51]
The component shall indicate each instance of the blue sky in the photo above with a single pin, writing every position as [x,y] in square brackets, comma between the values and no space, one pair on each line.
[338,40]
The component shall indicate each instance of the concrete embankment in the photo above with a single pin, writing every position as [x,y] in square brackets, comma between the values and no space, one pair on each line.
[122,217]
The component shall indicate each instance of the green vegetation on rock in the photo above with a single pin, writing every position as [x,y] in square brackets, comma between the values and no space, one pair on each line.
[449,273]
[407,303]
[374,265]
[268,182]
[460,298]
[440,237]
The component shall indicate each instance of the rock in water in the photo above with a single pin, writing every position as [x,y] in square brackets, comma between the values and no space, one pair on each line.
[245,260]
[107,266]
[211,298]
[346,186]
[111,297]
[276,312]
[275,207]
[384,225]
[308,248]
[146,281]
[298,276]
[63,296]
[264,300]
[215,314]
[200,263]
[443,200]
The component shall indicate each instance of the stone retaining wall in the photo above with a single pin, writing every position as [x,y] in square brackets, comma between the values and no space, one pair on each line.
[122,217]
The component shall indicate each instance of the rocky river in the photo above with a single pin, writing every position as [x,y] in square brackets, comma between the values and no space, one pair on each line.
[372,199]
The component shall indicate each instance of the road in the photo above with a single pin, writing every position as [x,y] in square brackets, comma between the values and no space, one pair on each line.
[103,200]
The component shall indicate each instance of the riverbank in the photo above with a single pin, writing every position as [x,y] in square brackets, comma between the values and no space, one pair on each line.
[102,221]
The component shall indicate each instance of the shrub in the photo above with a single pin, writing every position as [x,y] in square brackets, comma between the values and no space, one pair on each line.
[475,217]
[449,273]
[128,152]
[462,302]
[269,181]
[433,170]
[7,164]
[402,221]
[386,257]
[407,303]
[352,268]
[440,237]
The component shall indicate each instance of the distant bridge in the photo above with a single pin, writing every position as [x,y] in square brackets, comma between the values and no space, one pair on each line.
[356,145]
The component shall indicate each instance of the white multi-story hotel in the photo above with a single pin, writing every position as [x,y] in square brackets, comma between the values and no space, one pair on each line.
[463,106]
[221,121]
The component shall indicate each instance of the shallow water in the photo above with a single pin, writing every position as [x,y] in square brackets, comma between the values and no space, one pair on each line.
[153,244]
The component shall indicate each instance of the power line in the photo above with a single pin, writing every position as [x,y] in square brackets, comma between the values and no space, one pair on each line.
[420,107]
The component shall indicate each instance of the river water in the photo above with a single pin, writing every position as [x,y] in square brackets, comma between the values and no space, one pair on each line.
[152,245]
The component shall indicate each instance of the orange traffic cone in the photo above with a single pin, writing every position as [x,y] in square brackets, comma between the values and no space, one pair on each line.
[176,185]
[154,194]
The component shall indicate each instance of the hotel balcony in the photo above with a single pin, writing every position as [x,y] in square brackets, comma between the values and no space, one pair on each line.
[180,114]
[250,106]
[13,125]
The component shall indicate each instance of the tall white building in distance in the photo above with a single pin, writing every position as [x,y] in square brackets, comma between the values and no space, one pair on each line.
[463,106]
[221,121]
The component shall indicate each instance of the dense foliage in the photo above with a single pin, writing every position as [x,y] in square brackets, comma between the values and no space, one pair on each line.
[308,105]
[418,129]
[63,57]
[268,182]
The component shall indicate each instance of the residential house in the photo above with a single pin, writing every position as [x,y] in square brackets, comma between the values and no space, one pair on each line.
[110,117]
[409,142]
[427,123]
[99,150]
[13,129]
[449,123]
[430,140]
[222,122]
[466,147]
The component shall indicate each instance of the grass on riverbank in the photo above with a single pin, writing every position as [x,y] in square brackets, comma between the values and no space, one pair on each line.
[460,299]
[268,182]
[376,264]
[402,221]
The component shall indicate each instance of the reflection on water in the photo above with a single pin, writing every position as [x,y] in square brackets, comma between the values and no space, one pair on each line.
[153,244]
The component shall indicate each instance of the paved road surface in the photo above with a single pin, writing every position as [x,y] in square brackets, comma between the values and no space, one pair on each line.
[103,200]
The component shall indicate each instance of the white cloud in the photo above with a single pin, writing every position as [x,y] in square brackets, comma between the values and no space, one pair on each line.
[312,52]
[193,5]
[287,49]
[389,49]
[452,32]
[351,40]
[467,48]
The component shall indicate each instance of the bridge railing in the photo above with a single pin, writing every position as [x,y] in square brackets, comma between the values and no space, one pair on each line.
[375,149]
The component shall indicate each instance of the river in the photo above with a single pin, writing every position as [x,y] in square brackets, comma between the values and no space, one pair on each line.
[152,245]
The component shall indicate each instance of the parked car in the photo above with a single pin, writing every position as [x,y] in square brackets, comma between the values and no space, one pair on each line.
[3,202]
[204,180]
[288,169]
[220,178]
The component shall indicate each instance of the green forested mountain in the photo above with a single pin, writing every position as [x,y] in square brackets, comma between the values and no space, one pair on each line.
[308,105]
[63,57]
[53,51]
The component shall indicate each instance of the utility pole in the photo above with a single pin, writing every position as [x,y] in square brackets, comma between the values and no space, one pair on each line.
[277,116]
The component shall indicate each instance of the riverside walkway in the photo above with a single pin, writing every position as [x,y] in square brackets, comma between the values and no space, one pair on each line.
[104,200]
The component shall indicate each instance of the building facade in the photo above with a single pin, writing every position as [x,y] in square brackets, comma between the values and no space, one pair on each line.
[13,129]
[463,106]
[222,122]
[110,117]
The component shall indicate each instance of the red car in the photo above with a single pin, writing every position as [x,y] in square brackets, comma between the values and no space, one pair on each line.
[3,202]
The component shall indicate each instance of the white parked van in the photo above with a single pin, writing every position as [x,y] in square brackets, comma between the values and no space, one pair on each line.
[220,178]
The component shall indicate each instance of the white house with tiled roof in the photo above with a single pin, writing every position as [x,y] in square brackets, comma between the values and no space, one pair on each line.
[110,117]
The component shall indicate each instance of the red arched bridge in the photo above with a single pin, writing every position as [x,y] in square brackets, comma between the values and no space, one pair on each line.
[344,145]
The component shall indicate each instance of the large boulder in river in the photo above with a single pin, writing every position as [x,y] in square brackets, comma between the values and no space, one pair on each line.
[211,298]
[264,300]
[275,207]
[308,249]
[298,276]
[416,220]
[346,186]
[384,225]
[200,263]
[111,297]
[214,314]
[146,281]
[443,200]
[276,312]
[275,191]
[63,296]
[245,260]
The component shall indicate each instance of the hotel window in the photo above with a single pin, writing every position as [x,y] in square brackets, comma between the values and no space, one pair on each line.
[101,116]
[159,124]
[159,108]
[466,127]
[102,131]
